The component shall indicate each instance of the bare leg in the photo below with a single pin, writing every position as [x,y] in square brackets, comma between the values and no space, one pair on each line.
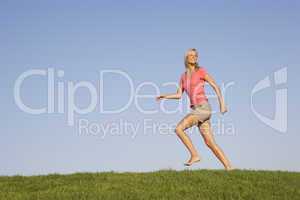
[188,121]
[207,133]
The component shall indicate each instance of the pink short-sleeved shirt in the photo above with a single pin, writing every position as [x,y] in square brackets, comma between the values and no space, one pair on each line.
[194,86]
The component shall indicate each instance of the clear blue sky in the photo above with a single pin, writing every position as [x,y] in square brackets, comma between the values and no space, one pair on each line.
[238,42]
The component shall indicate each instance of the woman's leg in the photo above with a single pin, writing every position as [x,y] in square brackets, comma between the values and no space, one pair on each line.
[207,133]
[188,121]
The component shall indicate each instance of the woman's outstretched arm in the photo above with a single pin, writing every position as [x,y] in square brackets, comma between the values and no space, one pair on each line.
[177,95]
[217,89]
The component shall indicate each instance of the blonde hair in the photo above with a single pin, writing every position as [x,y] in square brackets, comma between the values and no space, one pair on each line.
[186,61]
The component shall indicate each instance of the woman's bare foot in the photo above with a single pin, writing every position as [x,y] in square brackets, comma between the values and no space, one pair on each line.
[229,168]
[192,160]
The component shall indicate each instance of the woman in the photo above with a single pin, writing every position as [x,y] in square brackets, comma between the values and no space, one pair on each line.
[192,81]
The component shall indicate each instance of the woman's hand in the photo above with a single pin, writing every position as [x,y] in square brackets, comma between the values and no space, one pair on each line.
[223,109]
[160,97]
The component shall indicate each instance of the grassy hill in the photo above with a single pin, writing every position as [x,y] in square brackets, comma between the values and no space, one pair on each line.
[163,184]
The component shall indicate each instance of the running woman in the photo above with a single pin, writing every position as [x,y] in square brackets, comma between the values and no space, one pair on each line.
[192,82]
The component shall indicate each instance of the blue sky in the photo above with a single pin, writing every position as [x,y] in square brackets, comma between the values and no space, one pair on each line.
[238,43]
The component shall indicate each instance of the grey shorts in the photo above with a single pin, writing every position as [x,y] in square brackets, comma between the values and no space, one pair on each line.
[203,111]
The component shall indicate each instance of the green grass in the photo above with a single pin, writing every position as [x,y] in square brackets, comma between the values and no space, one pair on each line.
[163,184]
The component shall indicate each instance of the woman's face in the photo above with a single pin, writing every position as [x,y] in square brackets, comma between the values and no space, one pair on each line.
[192,57]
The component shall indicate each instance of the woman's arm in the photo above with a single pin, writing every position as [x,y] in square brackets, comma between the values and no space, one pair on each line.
[217,89]
[177,95]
